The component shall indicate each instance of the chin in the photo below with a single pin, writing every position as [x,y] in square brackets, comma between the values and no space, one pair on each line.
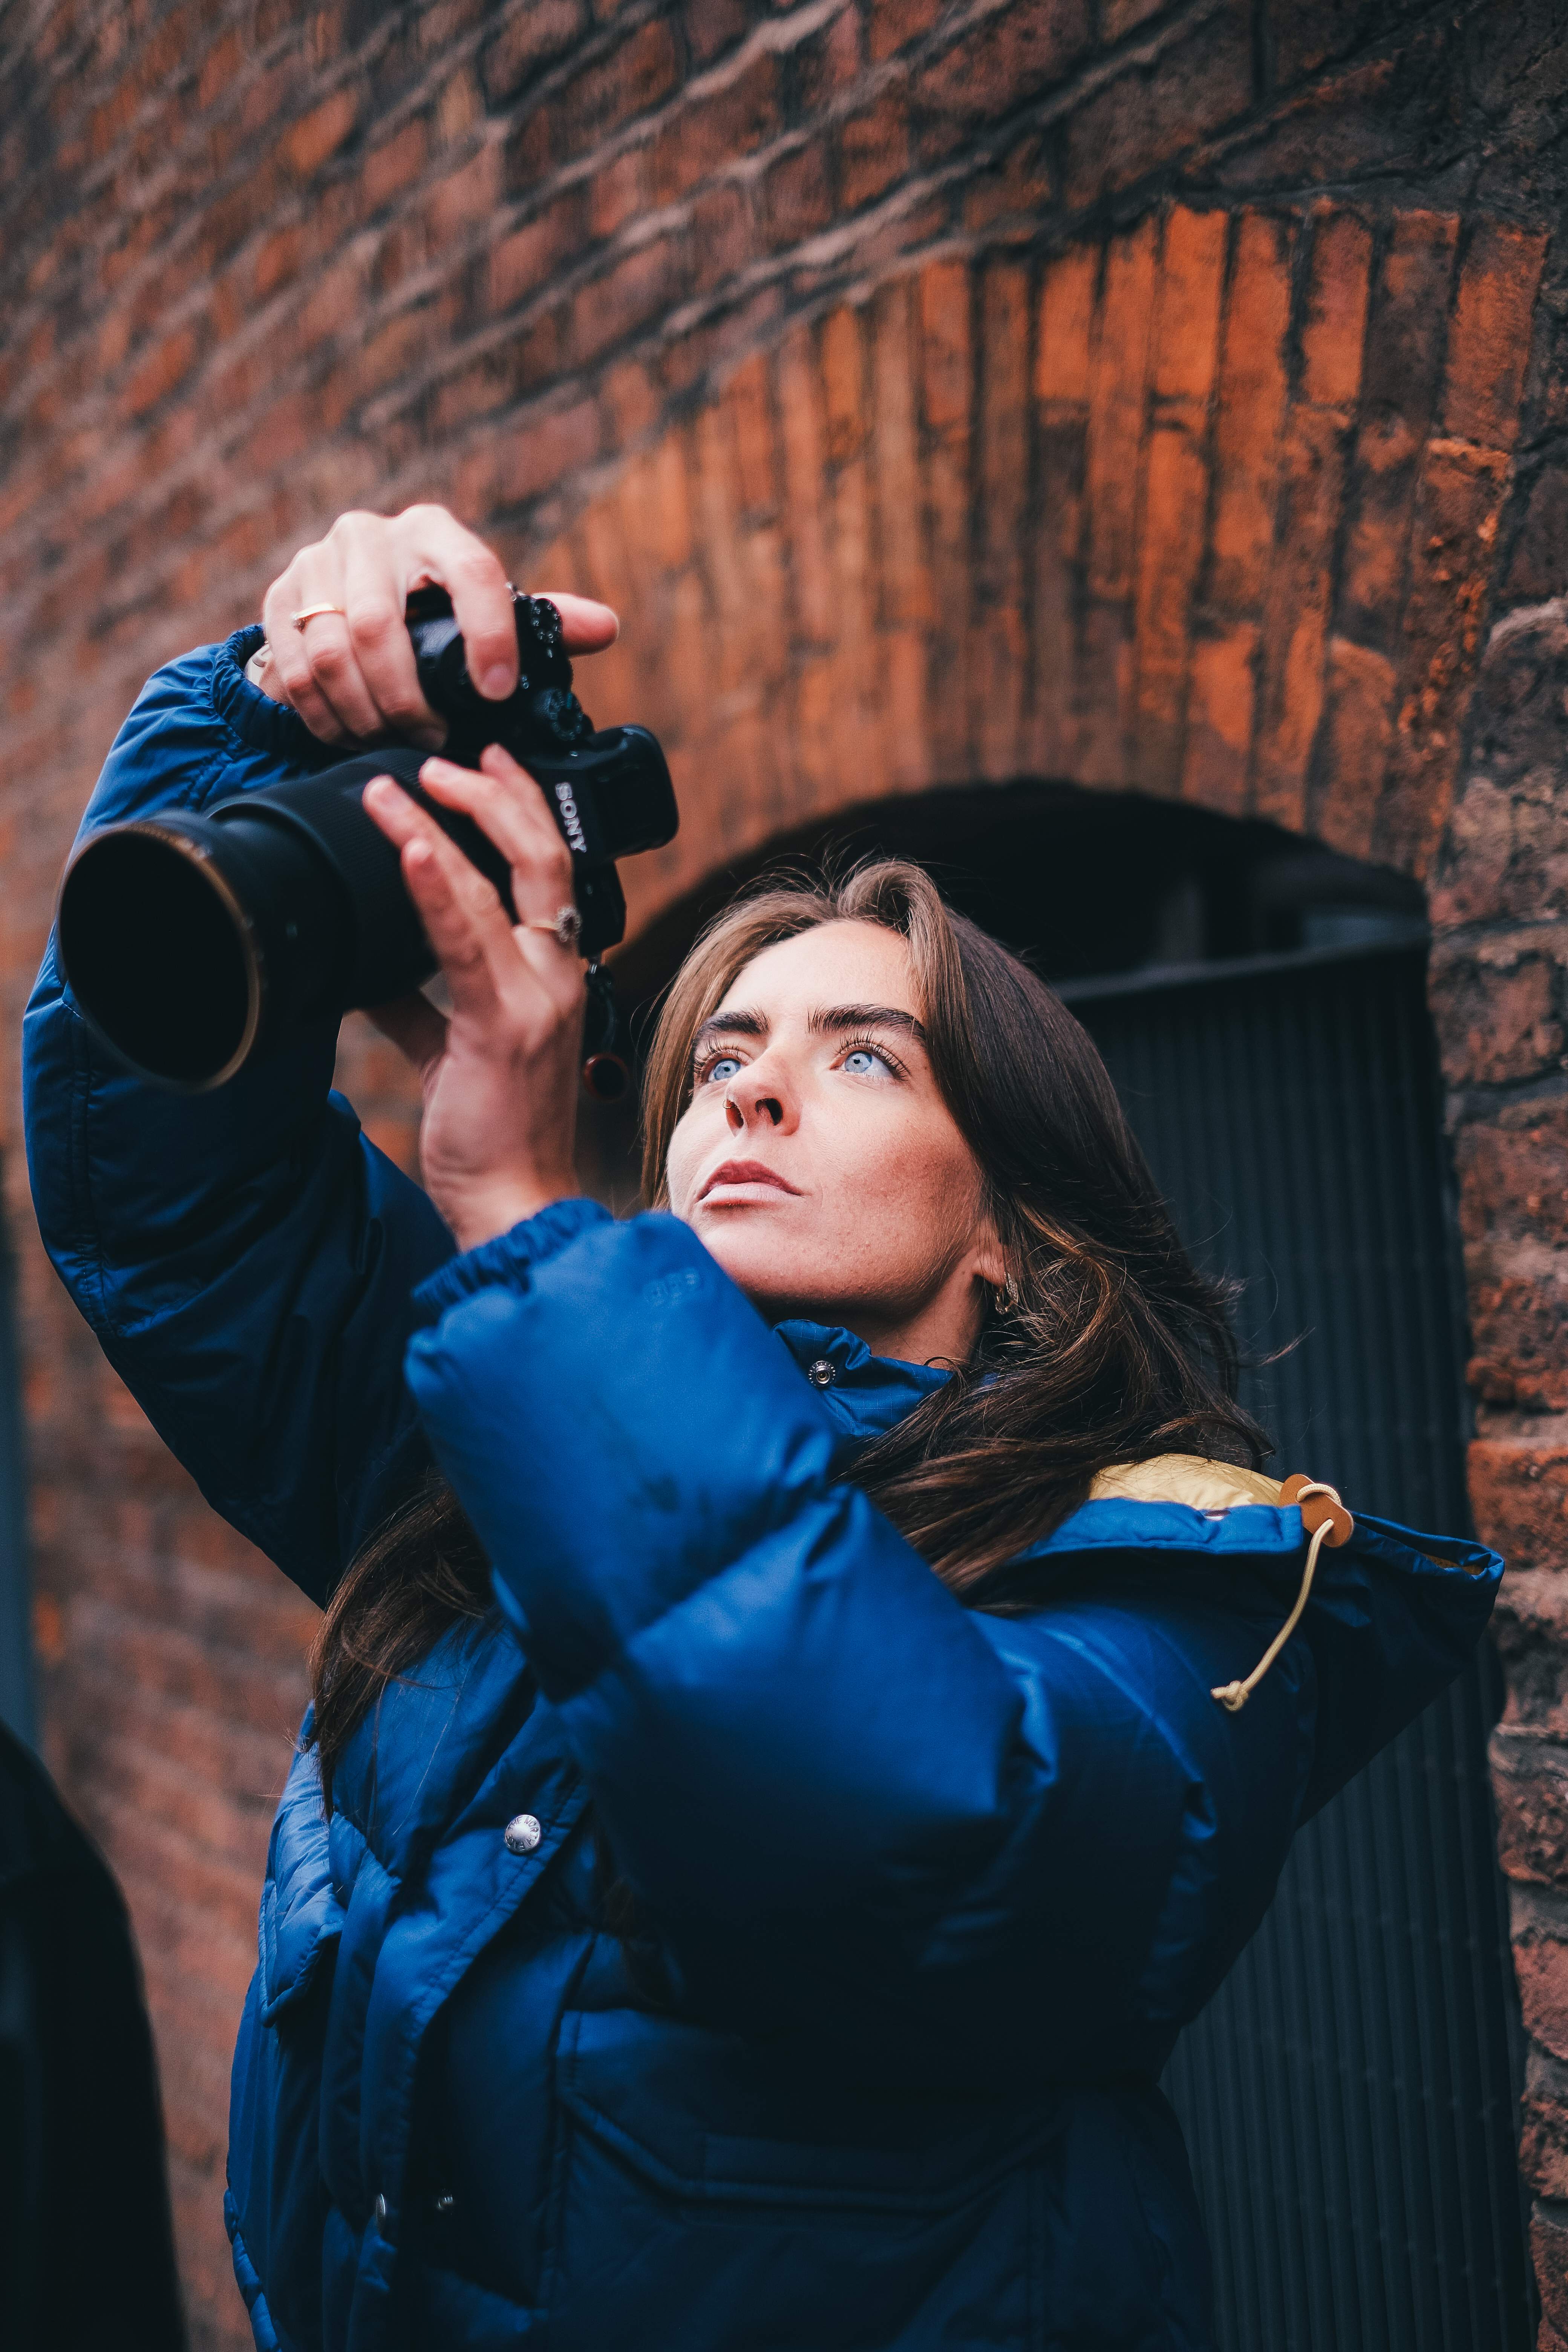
[739,1241]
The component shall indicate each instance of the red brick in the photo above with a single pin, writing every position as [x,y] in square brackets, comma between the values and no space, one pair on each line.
[521,266]
[1549,2253]
[722,235]
[1530,1630]
[1199,79]
[394,166]
[997,661]
[726,124]
[1017,188]
[465,198]
[627,295]
[895,23]
[618,192]
[712,25]
[1454,533]
[1294,646]
[1530,1780]
[634,77]
[1497,1007]
[904,599]
[1119,399]
[319,134]
[1544,2139]
[538,34]
[1221,707]
[1513,1176]
[797,199]
[537,456]
[1334,329]
[1192,265]
[825,62]
[873,151]
[947,382]
[1117,416]
[1539,564]
[1250,414]
[1404,357]
[1518,1490]
[1062,349]
[154,377]
[996,65]
[1175,492]
[1489,335]
[756,446]
[1358,742]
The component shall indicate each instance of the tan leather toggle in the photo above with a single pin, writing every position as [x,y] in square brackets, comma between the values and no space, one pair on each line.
[1321,1503]
[1329,1523]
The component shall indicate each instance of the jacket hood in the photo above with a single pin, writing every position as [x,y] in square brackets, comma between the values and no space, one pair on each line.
[1391,1617]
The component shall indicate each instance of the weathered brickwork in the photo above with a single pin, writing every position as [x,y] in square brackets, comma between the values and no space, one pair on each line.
[946,391]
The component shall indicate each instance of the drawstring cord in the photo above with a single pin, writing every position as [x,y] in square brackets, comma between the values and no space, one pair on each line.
[1331,1523]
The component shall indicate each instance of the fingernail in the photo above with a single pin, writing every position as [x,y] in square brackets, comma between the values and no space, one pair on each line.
[497,681]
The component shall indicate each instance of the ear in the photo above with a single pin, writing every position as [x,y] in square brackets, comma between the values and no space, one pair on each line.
[988,1259]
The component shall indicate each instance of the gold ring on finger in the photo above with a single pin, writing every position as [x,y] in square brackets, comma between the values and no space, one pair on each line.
[565,927]
[314,612]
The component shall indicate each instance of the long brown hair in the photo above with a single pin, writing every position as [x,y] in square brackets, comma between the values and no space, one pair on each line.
[1114,1347]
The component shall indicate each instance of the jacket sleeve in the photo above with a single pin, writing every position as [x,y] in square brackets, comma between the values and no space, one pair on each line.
[837,1792]
[246,1257]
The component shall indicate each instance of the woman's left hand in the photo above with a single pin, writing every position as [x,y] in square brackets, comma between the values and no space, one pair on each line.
[499,1078]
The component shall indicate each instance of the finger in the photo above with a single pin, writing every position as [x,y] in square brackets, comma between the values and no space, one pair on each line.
[586,625]
[415,1027]
[475,579]
[290,661]
[336,674]
[373,596]
[508,806]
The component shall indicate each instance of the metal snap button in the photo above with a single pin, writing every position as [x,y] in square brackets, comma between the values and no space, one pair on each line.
[822,1374]
[522,1833]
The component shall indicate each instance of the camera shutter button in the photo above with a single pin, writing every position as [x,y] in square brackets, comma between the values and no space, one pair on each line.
[822,1374]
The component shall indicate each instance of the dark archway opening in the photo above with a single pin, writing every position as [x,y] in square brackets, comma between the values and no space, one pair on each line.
[1350,2097]
[1087,885]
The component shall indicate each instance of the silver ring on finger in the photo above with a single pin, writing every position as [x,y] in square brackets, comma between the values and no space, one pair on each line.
[565,927]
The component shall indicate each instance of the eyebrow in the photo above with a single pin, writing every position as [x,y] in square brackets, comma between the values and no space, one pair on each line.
[745,1022]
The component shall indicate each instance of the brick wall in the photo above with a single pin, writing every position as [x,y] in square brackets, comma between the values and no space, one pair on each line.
[1128,395]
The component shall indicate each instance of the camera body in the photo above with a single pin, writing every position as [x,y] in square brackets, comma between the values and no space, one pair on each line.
[191,942]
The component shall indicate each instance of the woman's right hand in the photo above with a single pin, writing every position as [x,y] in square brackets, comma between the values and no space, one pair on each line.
[349,672]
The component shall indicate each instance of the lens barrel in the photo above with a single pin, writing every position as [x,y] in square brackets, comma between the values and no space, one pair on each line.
[191,942]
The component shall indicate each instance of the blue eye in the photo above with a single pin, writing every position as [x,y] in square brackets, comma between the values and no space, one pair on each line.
[722,1068]
[863,1062]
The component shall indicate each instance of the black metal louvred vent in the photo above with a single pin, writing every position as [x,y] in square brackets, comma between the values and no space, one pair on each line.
[1349,2096]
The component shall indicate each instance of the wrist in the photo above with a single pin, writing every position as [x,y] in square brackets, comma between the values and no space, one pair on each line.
[481,1212]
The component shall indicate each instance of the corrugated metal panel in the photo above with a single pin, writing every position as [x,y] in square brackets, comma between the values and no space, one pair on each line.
[1349,2096]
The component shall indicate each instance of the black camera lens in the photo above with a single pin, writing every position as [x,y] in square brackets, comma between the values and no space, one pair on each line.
[191,942]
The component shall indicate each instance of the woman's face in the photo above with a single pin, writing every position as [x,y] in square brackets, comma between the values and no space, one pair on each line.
[817,1159]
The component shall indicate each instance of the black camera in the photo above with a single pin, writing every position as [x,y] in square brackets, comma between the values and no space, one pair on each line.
[191,942]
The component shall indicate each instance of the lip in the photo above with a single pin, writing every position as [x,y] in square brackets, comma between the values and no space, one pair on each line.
[745,1179]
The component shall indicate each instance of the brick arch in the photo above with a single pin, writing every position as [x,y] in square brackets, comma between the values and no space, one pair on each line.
[1206,508]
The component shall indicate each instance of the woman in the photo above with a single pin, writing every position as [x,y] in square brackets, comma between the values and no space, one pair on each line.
[764,1822]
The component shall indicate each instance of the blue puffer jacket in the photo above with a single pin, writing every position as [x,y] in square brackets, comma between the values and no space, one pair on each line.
[925,1895]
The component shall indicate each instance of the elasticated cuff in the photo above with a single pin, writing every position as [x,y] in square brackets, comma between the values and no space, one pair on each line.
[507,1257]
[258,721]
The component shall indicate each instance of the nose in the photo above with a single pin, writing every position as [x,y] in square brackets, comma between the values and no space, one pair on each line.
[766,1107]
[748,1102]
